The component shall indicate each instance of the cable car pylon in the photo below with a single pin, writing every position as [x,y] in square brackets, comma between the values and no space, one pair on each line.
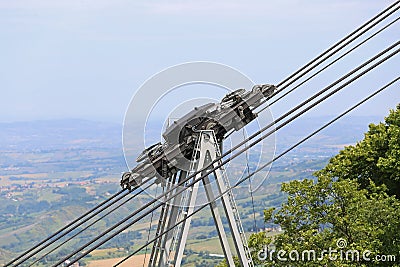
[192,148]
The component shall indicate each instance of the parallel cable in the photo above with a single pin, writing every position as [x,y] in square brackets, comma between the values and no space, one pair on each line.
[304,103]
[328,56]
[262,167]
[29,251]
[332,53]
[343,40]
[327,66]
[94,222]
[207,172]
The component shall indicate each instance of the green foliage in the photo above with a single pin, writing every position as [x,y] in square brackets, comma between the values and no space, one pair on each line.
[257,242]
[375,158]
[353,199]
[317,214]
[225,264]
[268,214]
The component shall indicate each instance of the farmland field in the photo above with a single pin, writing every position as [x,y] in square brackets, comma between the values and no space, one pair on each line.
[48,181]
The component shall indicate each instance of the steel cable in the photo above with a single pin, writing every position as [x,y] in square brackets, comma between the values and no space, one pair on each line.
[344,39]
[331,54]
[59,231]
[94,222]
[330,64]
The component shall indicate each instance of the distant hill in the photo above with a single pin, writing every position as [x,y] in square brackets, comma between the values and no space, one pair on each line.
[55,134]
[74,133]
[345,131]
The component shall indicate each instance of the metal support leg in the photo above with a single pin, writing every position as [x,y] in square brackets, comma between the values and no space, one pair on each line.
[166,246]
[237,239]
[161,225]
[218,222]
[186,224]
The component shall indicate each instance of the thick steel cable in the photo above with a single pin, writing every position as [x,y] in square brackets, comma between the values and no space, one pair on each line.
[326,57]
[329,65]
[344,39]
[328,50]
[262,167]
[207,172]
[50,242]
[61,230]
[94,222]
[299,106]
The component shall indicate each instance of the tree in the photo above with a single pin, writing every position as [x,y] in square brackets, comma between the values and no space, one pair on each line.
[319,214]
[224,263]
[351,207]
[375,158]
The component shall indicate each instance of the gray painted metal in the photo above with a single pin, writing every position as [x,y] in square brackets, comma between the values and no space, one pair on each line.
[170,250]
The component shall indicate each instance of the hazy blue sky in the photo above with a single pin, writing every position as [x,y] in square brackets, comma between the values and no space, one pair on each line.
[85,59]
